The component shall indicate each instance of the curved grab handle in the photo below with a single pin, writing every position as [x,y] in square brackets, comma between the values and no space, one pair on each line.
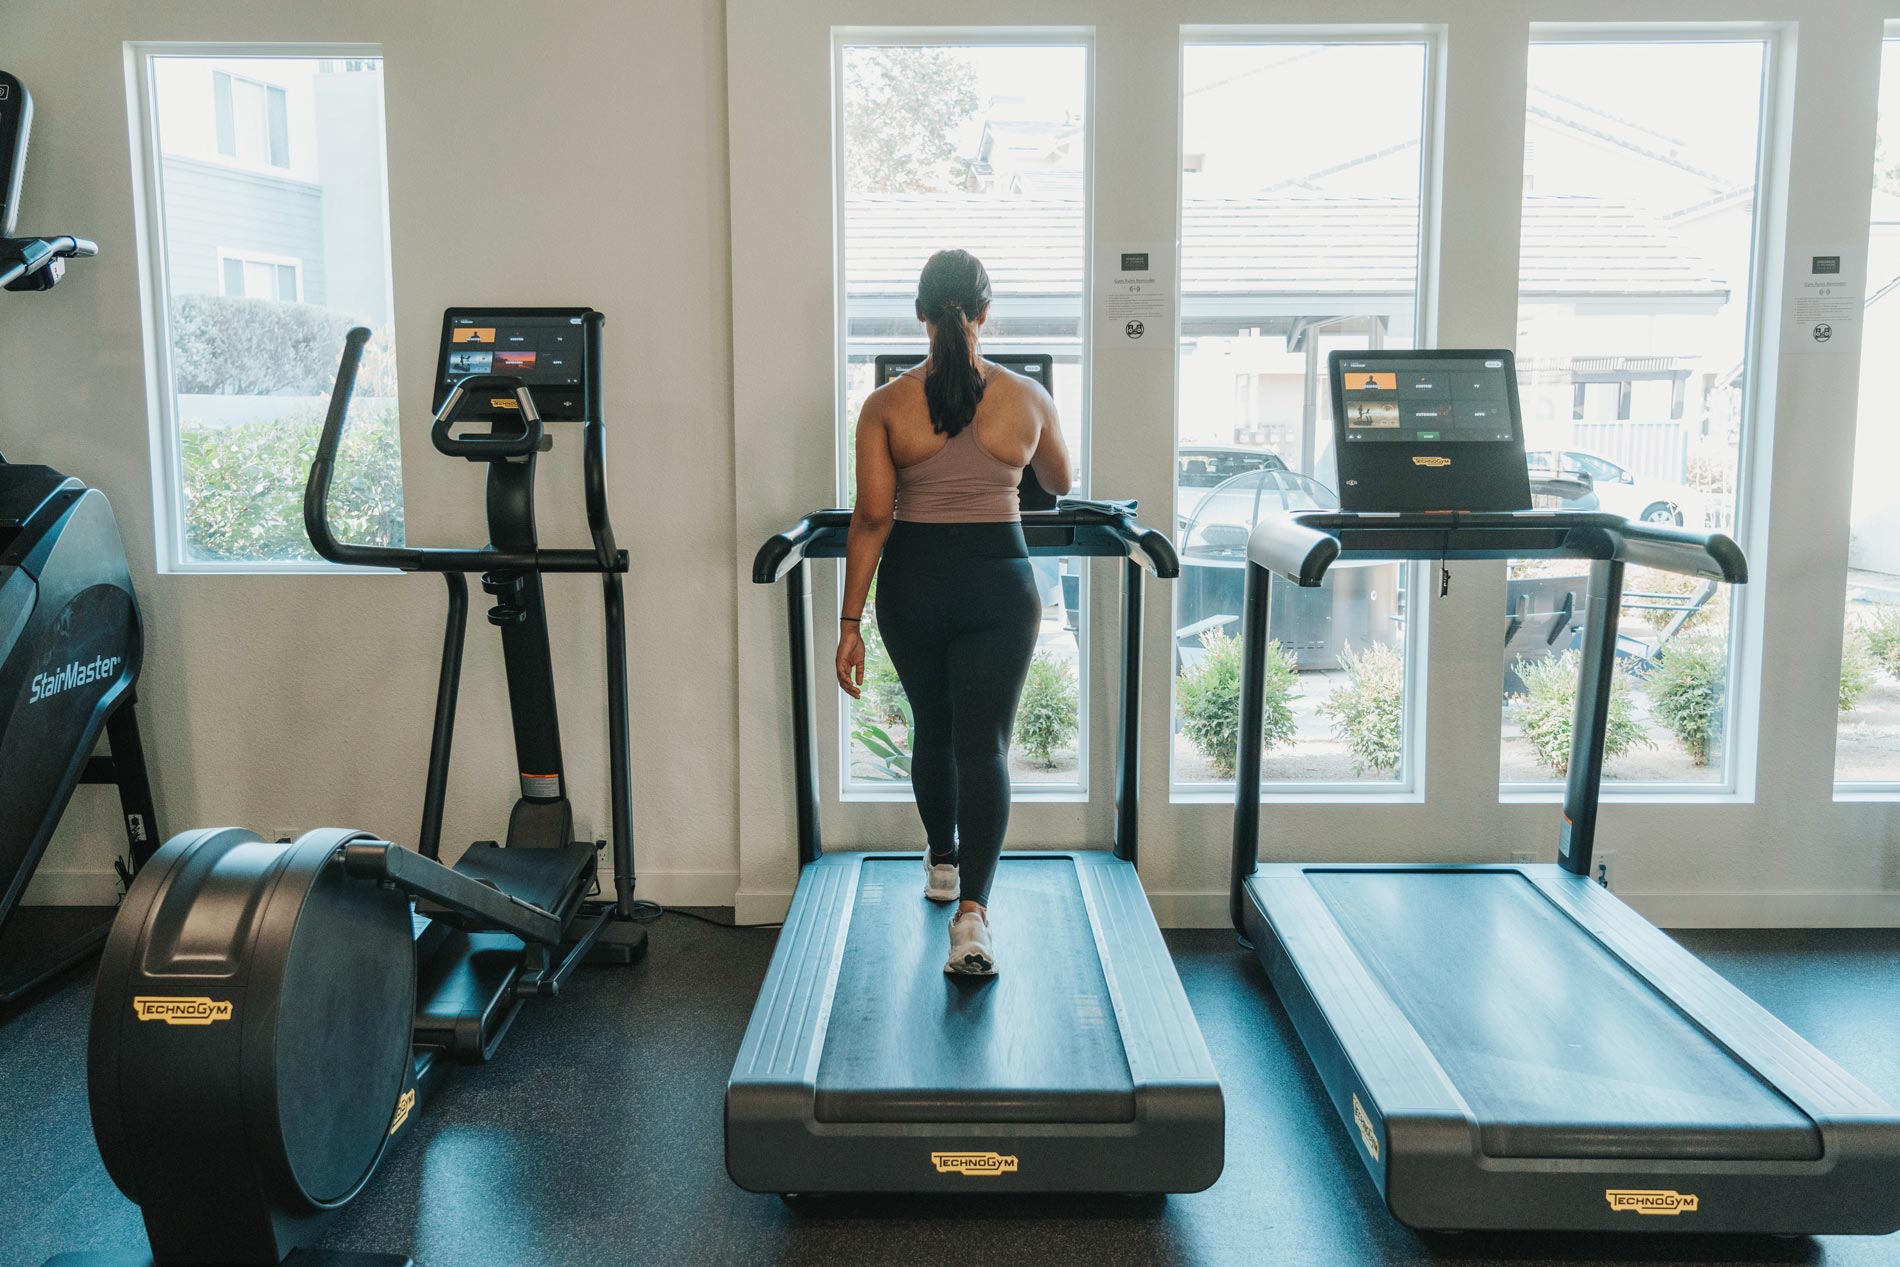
[1713,555]
[1288,548]
[480,448]
[316,491]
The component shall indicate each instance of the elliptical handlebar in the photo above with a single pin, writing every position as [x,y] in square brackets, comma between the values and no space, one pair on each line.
[20,257]
[479,448]
[603,557]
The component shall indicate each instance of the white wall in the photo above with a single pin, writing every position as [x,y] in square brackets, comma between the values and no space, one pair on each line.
[597,176]
[605,173]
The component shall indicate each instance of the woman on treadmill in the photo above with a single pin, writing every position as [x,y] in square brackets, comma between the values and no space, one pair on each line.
[940,452]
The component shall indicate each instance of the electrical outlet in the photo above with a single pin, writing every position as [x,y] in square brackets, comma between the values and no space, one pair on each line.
[1604,869]
[1523,855]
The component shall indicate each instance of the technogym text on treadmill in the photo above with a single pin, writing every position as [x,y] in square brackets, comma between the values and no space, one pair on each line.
[867,1068]
[1510,1046]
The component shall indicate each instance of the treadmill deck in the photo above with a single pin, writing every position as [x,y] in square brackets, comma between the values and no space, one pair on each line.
[1513,1047]
[1077,1068]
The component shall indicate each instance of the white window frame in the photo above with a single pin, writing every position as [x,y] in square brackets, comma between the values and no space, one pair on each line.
[1409,785]
[228,255]
[148,200]
[843,37]
[1740,747]
[1868,789]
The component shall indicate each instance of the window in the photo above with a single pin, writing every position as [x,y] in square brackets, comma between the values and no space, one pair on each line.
[249,277]
[1867,745]
[261,267]
[253,120]
[982,146]
[1633,358]
[1295,241]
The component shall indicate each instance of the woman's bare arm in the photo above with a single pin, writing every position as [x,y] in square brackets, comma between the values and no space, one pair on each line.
[864,545]
[1054,469]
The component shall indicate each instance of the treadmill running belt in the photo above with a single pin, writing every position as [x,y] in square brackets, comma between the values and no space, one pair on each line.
[1559,1049]
[1035,1043]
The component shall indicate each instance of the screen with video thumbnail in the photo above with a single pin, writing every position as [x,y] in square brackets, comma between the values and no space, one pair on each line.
[1424,401]
[542,351]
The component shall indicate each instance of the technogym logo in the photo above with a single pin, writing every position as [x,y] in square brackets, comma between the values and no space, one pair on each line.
[175,1010]
[1652,1201]
[404,1107]
[74,675]
[1431,461]
[973,1163]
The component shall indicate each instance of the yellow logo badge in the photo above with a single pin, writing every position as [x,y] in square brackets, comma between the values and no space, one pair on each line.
[1363,1120]
[403,1108]
[1652,1201]
[181,1011]
[973,1163]
[1431,461]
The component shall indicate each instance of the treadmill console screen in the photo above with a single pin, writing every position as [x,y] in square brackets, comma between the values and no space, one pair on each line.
[1030,494]
[1432,430]
[1432,400]
[543,347]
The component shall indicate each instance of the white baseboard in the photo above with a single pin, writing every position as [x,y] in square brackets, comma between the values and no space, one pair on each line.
[760,906]
[1768,910]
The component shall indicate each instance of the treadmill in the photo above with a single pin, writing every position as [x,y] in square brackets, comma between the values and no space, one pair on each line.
[1079,1068]
[1510,1046]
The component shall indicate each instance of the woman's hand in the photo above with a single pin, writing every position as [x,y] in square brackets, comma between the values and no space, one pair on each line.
[851,659]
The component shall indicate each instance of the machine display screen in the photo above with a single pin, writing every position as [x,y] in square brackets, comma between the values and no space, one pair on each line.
[543,347]
[1428,400]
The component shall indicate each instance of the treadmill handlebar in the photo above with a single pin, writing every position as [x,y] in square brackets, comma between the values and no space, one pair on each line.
[1301,546]
[822,534]
[603,557]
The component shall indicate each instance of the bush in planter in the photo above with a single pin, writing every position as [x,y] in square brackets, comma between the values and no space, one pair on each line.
[1882,634]
[1858,668]
[1368,710]
[1046,718]
[1688,690]
[1547,710]
[243,485]
[886,749]
[1209,698]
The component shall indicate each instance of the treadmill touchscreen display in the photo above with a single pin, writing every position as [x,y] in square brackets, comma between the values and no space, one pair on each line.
[1430,400]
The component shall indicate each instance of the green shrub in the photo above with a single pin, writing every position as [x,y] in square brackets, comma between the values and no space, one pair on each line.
[1858,668]
[883,700]
[1047,717]
[1713,615]
[1688,692]
[1368,709]
[891,757]
[1548,710]
[1882,632]
[244,483]
[227,346]
[1209,697]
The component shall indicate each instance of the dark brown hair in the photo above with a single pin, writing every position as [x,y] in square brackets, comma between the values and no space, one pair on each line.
[953,291]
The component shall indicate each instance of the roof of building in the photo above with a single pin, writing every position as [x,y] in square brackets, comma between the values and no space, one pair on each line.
[1284,244]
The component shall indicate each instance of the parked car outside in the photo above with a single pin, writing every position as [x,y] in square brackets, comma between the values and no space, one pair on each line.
[1620,490]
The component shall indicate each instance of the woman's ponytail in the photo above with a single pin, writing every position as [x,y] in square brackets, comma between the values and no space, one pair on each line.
[952,294]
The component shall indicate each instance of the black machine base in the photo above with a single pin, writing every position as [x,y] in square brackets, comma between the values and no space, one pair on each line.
[621,942]
[300,1258]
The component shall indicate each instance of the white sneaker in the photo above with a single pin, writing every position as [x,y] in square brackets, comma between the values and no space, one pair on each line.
[970,952]
[940,880]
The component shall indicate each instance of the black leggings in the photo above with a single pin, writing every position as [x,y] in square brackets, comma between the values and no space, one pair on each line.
[958,608]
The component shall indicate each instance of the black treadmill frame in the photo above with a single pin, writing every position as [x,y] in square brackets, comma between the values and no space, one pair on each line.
[1417,1137]
[775,1141]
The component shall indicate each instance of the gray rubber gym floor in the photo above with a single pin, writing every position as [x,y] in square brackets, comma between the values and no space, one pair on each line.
[595,1137]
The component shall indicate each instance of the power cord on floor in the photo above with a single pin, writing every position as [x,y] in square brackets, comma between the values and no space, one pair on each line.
[645,912]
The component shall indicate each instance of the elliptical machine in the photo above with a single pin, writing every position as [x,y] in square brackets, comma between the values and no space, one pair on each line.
[71,645]
[269,1015]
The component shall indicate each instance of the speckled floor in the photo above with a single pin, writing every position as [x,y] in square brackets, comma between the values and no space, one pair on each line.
[595,1137]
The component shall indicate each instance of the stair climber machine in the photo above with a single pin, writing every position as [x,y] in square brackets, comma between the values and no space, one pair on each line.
[270,1015]
[70,647]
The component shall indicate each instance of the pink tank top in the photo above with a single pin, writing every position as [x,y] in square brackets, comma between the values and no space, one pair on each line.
[961,483]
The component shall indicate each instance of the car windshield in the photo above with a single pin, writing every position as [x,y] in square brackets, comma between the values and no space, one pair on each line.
[1226,516]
